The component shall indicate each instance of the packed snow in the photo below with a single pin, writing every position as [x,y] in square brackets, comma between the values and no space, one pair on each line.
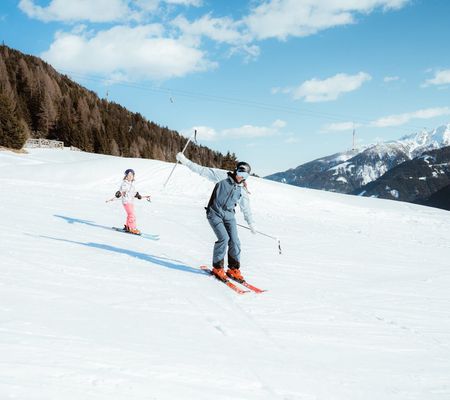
[357,307]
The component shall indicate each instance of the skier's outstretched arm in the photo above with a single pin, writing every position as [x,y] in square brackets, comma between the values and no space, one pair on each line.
[212,174]
[244,204]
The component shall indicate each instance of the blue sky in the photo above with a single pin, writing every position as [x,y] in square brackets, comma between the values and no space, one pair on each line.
[278,82]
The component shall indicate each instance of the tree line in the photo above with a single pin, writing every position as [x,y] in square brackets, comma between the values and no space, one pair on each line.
[37,101]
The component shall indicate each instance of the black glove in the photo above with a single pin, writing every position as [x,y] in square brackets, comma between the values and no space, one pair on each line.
[118,194]
[138,196]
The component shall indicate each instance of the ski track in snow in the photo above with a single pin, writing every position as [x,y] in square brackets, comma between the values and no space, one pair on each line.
[357,305]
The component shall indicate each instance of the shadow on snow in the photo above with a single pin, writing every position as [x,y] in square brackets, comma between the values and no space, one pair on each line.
[161,261]
[71,220]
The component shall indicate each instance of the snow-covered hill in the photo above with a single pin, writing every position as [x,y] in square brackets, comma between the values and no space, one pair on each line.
[348,171]
[357,307]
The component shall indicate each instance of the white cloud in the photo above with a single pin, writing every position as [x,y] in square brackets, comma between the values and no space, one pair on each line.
[194,3]
[283,18]
[140,52]
[340,126]
[250,52]
[316,90]
[148,6]
[279,124]
[269,19]
[390,120]
[292,140]
[401,119]
[178,52]
[97,11]
[388,79]
[203,133]
[222,30]
[249,131]
[80,10]
[441,77]
[243,132]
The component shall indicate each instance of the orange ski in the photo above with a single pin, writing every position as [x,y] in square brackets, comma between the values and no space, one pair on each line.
[231,285]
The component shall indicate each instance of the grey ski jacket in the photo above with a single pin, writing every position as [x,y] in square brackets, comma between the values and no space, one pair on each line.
[226,194]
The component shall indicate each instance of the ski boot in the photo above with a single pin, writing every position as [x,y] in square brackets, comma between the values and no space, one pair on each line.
[134,231]
[219,273]
[235,274]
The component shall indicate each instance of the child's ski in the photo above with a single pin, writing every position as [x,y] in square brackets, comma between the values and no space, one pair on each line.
[124,231]
[231,285]
[143,235]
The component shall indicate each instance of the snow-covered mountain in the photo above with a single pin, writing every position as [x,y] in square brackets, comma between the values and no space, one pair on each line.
[424,141]
[347,172]
[415,180]
[356,307]
[312,174]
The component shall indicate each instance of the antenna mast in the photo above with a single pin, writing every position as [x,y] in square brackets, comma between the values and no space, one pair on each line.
[354,134]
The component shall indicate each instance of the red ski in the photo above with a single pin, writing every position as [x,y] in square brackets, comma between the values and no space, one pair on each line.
[251,287]
[231,285]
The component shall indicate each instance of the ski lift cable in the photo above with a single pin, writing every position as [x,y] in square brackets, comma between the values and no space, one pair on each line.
[234,101]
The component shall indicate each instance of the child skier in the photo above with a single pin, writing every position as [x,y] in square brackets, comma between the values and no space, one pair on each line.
[128,192]
[229,190]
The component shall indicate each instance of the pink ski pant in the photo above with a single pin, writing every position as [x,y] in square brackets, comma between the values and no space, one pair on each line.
[131,218]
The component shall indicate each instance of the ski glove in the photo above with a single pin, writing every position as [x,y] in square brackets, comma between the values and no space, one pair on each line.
[252,229]
[181,158]
[118,194]
[139,197]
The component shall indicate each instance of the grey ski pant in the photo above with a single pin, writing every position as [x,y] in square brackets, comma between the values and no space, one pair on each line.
[227,237]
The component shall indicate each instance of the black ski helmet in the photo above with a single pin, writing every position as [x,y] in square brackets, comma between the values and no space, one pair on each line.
[242,166]
[128,171]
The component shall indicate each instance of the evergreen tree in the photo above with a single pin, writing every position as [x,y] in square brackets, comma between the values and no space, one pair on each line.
[229,161]
[50,105]
[12,133]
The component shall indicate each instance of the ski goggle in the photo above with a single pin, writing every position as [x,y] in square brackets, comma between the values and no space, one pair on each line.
[242,174]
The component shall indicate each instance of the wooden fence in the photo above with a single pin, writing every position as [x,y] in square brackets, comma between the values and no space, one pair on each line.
[45,143]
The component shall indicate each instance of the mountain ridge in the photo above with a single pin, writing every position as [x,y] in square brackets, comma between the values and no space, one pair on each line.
[348,172]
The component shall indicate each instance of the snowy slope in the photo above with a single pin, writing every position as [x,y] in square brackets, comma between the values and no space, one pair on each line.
[357,307]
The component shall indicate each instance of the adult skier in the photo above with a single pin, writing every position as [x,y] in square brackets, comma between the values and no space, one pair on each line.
[230,189]
[128,192]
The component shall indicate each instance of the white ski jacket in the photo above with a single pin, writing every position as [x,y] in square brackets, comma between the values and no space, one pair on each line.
[128,191]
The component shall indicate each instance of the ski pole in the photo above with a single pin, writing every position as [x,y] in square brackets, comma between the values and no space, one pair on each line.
[194,136]
[265,234]
[147,197]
